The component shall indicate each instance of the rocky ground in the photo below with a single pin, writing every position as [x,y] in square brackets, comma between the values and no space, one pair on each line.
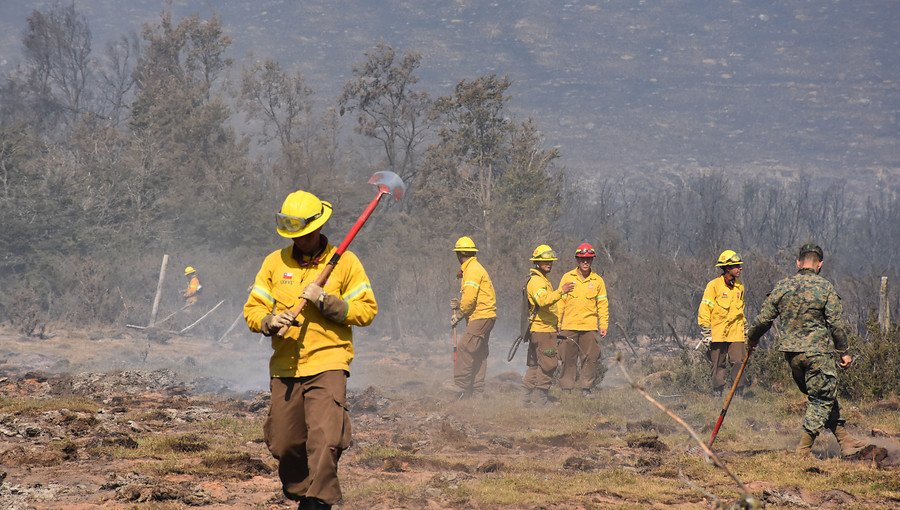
[116,420]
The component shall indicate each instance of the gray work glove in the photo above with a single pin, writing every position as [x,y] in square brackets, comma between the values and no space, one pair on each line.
[272,323]
[332,307]
[454,319]
[312,293]
[454,304]
[705,338]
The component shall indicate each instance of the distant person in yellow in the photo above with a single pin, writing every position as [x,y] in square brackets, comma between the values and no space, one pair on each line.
[722,322]
[191,293]
[542,359]
[584,313]
[477,304]
[308,424]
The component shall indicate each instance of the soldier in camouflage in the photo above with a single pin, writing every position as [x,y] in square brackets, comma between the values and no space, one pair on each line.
[809,308]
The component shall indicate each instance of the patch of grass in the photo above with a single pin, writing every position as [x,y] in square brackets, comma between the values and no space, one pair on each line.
[216,464]
[634,490]
[234,430]
[18,405]
[374,489]
[371,453]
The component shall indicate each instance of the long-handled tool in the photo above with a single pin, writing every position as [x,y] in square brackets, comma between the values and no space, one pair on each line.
[727,403]
[387,183]
[455,343]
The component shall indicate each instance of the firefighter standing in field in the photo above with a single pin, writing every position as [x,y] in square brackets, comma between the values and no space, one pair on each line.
[722,322]
[542,359]
[191,293]
[478,305]
[584,313]
[811,319]
[308,424]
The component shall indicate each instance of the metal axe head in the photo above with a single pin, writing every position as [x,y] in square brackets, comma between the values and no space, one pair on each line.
[389,183]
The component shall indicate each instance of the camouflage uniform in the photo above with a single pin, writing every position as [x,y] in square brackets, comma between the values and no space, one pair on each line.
[809,308]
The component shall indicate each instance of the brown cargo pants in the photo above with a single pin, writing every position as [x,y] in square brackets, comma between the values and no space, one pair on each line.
[307,429]
[726,358]
[471,357]
[580,356]
[542,361]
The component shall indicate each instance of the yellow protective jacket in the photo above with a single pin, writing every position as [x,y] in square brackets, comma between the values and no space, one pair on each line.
[722,311]
[193,287]
[586,308]
[541,295]
[476,293]
[318,344]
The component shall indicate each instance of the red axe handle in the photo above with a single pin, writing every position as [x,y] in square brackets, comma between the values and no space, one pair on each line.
[323,276]
[734,386]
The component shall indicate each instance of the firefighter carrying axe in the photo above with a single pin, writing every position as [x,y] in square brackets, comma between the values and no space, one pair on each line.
[387,183]
[727,403]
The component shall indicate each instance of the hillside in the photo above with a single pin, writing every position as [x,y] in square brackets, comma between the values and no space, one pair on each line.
[649,88]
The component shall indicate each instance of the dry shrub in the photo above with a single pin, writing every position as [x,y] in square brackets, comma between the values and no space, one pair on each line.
[238,465]
[768,369]
[188,443]
[26,309]
[874,373]
[91,291]
[685,373]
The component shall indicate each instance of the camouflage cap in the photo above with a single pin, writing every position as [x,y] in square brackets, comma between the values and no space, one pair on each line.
[811,248]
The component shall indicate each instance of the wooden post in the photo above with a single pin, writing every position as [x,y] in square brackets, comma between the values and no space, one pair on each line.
[159,284]
[884,307]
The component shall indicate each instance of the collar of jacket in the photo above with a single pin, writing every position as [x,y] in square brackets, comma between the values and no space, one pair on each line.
[806,270]
[734,283]
[577,274]
[312,260]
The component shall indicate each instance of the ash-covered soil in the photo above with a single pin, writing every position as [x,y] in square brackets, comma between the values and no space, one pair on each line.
[114,420]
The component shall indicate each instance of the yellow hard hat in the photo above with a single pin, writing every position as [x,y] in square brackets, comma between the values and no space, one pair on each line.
[189,270]
[466,244]
[729,258]
[543,253]
[301,213]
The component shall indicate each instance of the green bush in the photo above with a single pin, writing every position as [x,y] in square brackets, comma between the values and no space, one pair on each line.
[687,373]
[875,372]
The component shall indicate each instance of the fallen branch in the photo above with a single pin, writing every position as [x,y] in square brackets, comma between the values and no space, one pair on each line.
[675,336]
[201,318]
[233,325]
[709,453]
[625,336]
[690,483]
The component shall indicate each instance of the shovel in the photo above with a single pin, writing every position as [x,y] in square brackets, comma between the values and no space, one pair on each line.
[387,183]
[727,403]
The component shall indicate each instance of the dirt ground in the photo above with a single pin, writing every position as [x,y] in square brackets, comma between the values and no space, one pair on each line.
[119,419]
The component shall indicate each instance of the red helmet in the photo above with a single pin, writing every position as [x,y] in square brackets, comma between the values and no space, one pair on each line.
[585,250]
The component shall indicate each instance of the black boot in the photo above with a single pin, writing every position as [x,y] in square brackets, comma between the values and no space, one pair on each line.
[313,504]
[543,398]
[528,398]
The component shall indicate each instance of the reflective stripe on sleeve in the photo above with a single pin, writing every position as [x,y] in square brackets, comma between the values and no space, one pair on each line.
[263,295]
[359,289]
[708,303]
[601,298]
[471,284]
